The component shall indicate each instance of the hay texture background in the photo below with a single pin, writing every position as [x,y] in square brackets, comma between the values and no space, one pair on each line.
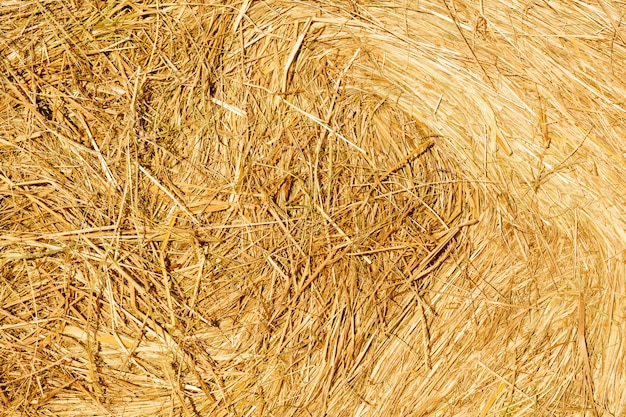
[312,208]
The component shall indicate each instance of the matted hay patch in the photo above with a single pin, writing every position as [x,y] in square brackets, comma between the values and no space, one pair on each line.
[280,208]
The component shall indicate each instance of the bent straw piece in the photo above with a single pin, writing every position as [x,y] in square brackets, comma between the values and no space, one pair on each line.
[242,12]
[171,195]
[229,107]
[292,55]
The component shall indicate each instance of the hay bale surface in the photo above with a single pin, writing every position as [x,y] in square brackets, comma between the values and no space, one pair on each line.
[277,208]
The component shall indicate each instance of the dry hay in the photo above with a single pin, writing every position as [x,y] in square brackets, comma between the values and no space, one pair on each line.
[278,208]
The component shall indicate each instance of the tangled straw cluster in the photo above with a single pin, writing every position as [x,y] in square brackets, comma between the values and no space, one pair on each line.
[278,208]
